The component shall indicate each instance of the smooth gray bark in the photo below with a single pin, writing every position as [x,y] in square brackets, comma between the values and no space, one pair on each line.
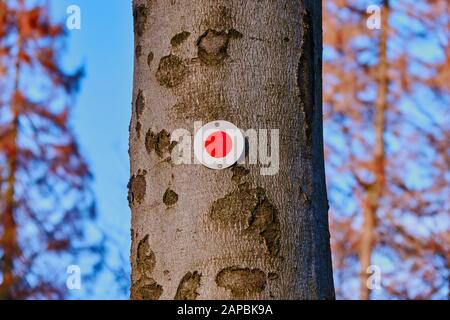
[199,233]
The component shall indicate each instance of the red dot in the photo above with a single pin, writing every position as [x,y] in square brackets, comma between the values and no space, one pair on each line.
[218,144]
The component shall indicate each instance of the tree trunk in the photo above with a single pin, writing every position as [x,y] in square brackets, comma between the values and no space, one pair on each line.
[375,191]
[199,233]
[8,241]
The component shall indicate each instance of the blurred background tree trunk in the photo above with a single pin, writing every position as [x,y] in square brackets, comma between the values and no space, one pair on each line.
[9,240]
[45,194]
[234,233]
[375,190]
[386,108]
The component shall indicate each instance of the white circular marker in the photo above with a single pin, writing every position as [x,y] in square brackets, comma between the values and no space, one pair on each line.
[218,144]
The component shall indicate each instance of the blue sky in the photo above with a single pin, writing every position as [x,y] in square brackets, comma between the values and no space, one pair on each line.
[104,46]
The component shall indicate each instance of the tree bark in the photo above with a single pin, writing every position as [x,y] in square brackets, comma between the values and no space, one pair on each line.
[199,233]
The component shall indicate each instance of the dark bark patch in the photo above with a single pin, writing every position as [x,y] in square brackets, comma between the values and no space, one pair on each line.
[146,291]
[305,75]
[239,172]
[264,221]
[138,129]
[179,38]
[251,207]
[305,197]
[189,284]
[145,258]
[272,276]
[137,187]
[140,104]
[170,197]
[159,142]
[241,281]
[171,71]
[146,288]
[213,45]
[140,19]
[234,34]
[150,58]
[138,51]
[236,207]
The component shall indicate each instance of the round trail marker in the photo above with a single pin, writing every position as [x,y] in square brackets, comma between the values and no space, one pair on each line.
[218,144]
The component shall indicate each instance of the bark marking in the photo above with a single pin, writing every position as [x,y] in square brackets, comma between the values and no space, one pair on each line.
[150,58]
[189,284]
[305,74]
[250,207]
[137,187]
[179,38]
[138,129]
[264,221]
[158,142]
[140,19]
[241,281]
[213,45]
[171,71]
[146,288]
[138,51]
[239,172]
[140,104]
[272,276]
[170,197]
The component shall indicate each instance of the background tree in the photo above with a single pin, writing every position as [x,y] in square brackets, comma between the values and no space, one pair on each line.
[207,234]
[386,104]
[46,200]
